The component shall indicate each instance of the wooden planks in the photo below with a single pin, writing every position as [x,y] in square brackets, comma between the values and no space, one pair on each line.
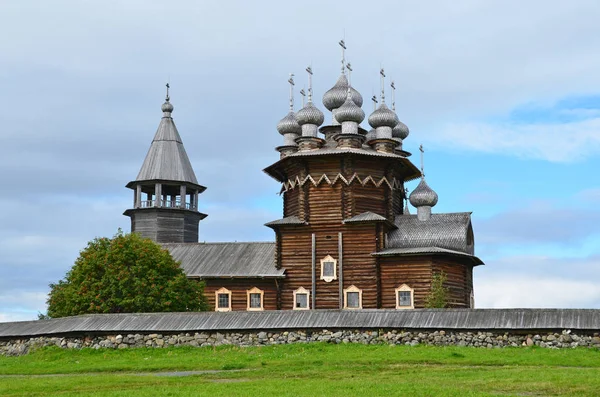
[239,288]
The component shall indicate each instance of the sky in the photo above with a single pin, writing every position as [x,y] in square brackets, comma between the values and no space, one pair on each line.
[503,95]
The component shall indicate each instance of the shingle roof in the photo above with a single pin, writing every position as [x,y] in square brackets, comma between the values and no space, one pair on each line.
[366,217]
[166,158]
[224,260]
[290,220]
[448,319]
[451,231]
[426,250]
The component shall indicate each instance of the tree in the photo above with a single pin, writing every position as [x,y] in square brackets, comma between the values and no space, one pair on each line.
[438,295]
[125,274]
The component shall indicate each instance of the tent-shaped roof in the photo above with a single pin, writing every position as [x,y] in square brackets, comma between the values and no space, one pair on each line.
[166,159]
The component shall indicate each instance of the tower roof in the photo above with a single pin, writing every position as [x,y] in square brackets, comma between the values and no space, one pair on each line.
[167,159]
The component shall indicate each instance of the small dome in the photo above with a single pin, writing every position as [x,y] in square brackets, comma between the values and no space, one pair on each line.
[400,130]
[336,96]
[167,107]
[310,114]
[349,111]
[370,135]
[383,117]
[289,125]
[423,196]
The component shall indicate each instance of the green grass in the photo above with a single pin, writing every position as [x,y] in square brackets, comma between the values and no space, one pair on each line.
[304,370]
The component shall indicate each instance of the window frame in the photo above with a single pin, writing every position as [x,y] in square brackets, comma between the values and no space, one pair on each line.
[328,279]
[304,291]
[255,290]
[222,291]
[405,288]
[353,288]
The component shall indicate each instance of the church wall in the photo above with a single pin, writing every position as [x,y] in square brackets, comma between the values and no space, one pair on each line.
[359,266]
[417,272]
[239,288]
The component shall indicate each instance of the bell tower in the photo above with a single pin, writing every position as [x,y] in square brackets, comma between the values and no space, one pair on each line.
[165,199]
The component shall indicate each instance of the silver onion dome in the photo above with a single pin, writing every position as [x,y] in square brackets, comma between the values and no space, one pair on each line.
[350,111]
[400,130]
[289,125]
[371,135]
[336,96]
[383,117]
[423,196]
[310,114]
[167,107]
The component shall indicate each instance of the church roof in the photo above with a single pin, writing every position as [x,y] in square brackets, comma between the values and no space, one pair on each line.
[426,251]
[366,217]
[289,220]
[167,159]
[226,260]
[452,231]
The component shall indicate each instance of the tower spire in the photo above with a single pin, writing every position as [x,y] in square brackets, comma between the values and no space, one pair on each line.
[310,92]
[382,73]
[349,67]
[422,166]
[291,81]
[393,95]
[342,44]
[167,98]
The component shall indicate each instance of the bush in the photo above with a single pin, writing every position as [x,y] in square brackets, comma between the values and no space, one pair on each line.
[438,295]
[125,274]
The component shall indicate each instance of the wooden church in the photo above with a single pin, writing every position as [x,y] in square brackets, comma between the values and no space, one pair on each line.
[345,240]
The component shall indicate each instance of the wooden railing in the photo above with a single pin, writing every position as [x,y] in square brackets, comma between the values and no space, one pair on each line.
[166,204]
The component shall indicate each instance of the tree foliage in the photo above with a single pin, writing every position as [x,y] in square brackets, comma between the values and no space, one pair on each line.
[438,295]
[125,274]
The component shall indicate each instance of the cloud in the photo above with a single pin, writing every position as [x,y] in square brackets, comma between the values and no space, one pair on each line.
[538,223]
[566,142]
[536,291]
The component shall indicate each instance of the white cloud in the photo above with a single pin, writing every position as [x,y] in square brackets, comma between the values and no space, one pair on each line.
[536,291]
[566,142]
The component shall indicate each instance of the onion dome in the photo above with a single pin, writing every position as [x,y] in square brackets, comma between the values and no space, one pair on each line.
[336,96]
[400,131]
[423,195]
[167,107]
[289,125]
[310,114]
[372,134]
[350,111]
[383,117]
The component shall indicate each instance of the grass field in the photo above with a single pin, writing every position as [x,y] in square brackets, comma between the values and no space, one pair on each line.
[303,370]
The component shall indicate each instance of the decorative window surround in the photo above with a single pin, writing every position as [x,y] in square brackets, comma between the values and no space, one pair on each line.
[328,271]
[254,293]
[303,305]
[350,295]
[223,296]
[404,304]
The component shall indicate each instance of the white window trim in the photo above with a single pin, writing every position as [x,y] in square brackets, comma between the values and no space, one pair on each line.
[262,301]
[219,292]
[472,299]
[302,290]
[328,279]
[405,287]
[352,288]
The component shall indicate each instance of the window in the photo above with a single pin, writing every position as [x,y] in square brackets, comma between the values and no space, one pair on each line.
[223,300]
[353,298]
[255,299]
[404,297]
[301,297]
[328,270]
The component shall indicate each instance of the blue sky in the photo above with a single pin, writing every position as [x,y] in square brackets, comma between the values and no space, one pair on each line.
[504,95]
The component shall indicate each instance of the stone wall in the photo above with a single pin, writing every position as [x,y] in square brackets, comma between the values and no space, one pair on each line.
[565,339]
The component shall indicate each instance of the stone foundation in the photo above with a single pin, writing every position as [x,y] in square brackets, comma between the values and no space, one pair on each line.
[565,339]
